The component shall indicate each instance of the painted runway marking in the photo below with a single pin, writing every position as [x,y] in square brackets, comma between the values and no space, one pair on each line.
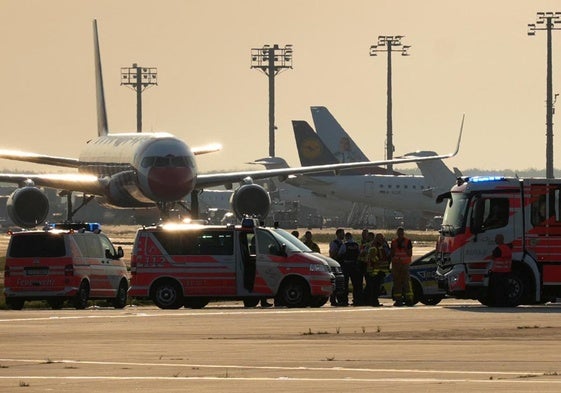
[278,368]
[144,314]
[230,378]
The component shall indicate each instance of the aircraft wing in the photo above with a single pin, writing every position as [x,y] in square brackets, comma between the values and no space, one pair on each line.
[88,184]
[217,179]
[206,149]
[39,158]
[227,178]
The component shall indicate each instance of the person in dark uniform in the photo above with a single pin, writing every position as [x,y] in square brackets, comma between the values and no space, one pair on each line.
[348,255]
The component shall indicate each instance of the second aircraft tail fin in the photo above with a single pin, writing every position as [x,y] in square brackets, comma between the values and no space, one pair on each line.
[335,137]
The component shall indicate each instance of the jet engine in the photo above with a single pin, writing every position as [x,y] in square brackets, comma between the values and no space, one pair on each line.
[27,207]
[250,200]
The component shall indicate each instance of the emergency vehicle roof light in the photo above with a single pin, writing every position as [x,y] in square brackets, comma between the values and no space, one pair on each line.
[248,222]
[86,226]
[480,179]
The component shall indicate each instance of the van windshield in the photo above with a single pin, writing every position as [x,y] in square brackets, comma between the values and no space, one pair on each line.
[286,240]
[289,237]
[41,245]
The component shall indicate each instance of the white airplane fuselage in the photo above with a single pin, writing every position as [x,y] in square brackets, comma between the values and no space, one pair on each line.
[146,168]
[391,192]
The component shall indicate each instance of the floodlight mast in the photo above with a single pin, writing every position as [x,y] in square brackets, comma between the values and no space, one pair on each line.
[549,19]
[139,79]
[389,44]
[271,60]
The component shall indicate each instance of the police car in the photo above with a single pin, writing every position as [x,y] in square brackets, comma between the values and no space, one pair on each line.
[423,280]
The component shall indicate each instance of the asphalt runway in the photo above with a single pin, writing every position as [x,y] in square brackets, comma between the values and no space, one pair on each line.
[456,346]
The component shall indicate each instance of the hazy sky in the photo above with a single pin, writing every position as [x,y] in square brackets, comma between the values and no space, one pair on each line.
[471,57]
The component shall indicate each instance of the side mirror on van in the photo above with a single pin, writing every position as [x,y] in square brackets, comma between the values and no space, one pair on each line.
[120,252]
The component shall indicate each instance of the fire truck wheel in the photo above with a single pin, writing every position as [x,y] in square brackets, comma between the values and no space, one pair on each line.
[294,293]
[56,303]
[120,301]
[14,304]
[167,295]
[80,300]
[195,302]
[318,301]
[250,302]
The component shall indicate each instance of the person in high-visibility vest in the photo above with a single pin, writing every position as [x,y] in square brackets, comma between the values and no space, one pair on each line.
[499,272]
[401,253]
[376,269]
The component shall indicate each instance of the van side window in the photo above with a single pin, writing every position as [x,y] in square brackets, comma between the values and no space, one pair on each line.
[37,245]
[89,245]
[107,245]
[267,244]
[196,242]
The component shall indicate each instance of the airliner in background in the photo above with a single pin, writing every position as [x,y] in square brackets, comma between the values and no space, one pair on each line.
[342,145]
[404,192]
[141,170]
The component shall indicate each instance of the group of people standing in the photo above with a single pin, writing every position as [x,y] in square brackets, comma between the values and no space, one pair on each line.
[366,265]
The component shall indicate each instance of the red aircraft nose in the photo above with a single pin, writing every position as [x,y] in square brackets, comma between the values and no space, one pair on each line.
[171,183]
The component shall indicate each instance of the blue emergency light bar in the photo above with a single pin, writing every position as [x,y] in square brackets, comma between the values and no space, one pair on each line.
[481,179]
[86,226]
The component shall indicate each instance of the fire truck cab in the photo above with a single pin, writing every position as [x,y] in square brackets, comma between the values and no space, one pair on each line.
[527,213]
[188,265]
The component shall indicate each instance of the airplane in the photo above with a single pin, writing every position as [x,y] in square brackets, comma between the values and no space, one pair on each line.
[435,172]
[403,193]
[141,170]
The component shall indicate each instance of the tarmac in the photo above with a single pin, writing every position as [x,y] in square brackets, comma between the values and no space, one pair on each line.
[458,345]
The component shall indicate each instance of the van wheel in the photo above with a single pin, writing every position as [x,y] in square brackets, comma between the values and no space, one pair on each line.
[14,304]
[294,293]
[56,303]
[167,295]
[195,302]
[120,301]
[80,300]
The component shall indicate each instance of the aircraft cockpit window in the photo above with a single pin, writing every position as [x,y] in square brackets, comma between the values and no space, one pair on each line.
[179,161]
[161,162]
[167,161]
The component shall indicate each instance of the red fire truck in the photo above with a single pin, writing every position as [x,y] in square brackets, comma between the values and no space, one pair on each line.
[527,212]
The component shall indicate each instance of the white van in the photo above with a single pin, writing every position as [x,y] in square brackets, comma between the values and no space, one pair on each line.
[188,265]
[64,264]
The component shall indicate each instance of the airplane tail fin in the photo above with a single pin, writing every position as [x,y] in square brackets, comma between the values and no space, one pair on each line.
[334,136]
[435,172]
[271,162]
[102,126]
[311,149]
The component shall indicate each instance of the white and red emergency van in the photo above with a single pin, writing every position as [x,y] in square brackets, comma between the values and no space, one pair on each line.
[188,265]
[65,262]
[527,213]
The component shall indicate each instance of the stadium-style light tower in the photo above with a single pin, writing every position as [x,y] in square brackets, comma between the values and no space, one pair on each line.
[547,21]
[271,60]
[389,44]
[138,79]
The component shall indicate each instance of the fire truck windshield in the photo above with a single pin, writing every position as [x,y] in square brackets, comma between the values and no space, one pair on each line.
[453,220]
